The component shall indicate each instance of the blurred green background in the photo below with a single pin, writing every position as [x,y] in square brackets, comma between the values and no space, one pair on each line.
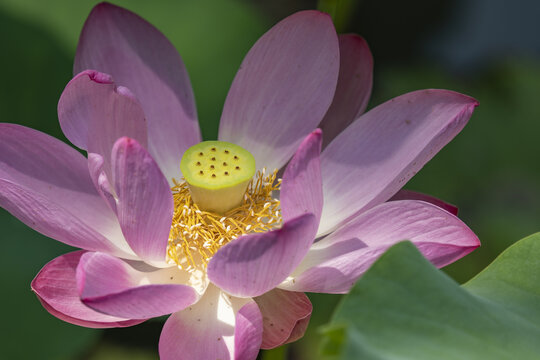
[487,49]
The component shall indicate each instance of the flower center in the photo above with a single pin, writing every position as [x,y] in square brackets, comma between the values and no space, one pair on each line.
[219,201]
[217,173]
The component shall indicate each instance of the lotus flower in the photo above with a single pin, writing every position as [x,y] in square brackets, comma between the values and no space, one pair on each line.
[232,277]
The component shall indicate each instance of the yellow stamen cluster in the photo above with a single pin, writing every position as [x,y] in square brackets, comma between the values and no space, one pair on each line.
[197,235]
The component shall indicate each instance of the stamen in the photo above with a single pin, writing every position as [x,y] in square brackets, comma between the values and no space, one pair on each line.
[196,235]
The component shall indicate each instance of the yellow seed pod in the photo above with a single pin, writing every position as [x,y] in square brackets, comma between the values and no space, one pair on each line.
[217,173]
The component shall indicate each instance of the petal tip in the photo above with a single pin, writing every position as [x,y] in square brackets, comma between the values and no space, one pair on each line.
[125,142]
[315,136]
[124,91]
[313,17]
[476,243]
[95,76]
[104,6]
[314,13]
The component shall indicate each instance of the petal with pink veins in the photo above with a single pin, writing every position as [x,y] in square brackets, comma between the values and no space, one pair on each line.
[56,288]
[120,43]
[301,188]
[353,87]
[114,287]
[256,263]
[145,204]
[378,153]
[218,326]
[45,184]
[334,263]
[414,195]
[94,112]
[283,88]
[285,316]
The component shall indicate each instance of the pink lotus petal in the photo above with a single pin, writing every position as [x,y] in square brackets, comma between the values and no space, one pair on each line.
[256,263]
[333,264]
[111,286]
[45,184]
[56,288]
[94,113]
[145,203]
[248,332]
[101,180]
[285,316]
[218,326]
[414,195]
[353,87]
[378,153]
[299,330]
[117,42]
[301,189]
[283,88]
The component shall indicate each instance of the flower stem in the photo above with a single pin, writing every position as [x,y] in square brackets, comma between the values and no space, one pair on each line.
[341,11]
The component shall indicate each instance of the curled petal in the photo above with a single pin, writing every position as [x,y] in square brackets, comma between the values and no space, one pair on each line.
[256,263]
[285,316]
[112,286]
[56,288]
[120,43]
[145,203]
[94,112]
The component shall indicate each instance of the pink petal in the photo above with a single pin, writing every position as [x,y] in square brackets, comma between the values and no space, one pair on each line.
[256,263]
[283,88]
[248,332]
[145,203]
[353,87]
[334,263]
[413,195]
[298,331]
[378,153]
[301,189]
[45,184]
[56,288]
[285,314]
[138,56]
[111,286]
[219,326]
[94,113]
[101,180]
